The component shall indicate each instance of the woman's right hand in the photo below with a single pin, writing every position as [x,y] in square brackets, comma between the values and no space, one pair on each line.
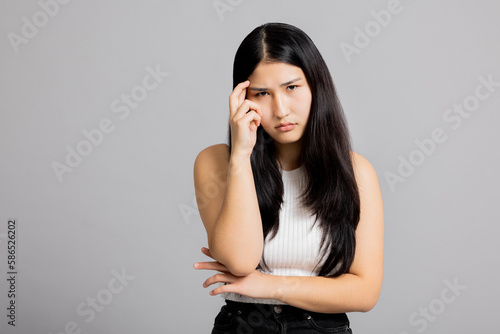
[244,119]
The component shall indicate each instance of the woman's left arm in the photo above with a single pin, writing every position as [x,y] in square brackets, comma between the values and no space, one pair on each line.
[357,290]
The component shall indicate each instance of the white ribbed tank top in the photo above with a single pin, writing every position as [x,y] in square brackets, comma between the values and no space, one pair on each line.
[295,249]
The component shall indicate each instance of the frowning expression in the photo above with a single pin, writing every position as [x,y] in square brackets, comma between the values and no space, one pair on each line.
[284,96]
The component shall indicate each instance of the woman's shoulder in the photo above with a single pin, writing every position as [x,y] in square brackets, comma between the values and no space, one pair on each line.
[217,152]
[212,158]
[363,169]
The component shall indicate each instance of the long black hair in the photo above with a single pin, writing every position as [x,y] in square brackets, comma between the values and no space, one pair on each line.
[331,192]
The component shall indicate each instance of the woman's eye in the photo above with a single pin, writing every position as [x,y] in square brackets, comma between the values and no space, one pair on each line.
[292,87]
[261,94]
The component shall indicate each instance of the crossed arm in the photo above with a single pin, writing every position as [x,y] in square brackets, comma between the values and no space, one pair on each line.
[357,290]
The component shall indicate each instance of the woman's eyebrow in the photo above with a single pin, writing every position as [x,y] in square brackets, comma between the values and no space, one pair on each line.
[283,84]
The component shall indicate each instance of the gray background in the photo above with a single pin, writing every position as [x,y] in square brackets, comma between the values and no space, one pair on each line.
[129,204]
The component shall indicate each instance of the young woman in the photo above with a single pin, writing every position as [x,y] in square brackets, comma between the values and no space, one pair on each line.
[294,217]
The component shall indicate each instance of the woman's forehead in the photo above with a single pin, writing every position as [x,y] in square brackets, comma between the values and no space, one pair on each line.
[275,74]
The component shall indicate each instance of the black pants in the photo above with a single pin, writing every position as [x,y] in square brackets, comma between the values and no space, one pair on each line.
[245,318]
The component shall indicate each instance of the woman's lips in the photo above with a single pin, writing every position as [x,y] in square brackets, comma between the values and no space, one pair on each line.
[286,127]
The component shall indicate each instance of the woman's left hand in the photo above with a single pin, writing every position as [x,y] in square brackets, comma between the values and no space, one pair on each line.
[255,285]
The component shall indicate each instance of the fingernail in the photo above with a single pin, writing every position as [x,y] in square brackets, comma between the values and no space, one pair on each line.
[196,265]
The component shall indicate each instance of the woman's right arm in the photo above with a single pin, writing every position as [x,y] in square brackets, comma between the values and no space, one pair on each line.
[225,191]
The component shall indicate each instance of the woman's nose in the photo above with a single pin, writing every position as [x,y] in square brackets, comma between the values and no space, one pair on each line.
[280,106]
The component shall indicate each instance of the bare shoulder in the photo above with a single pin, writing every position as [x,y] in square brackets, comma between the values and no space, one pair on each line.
[213,158]
[363,170]
[214,154]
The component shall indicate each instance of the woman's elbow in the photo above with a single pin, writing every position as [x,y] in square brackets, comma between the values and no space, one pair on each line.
[367,306]
[237,266]
[241,271]
[369,302]
[241,268]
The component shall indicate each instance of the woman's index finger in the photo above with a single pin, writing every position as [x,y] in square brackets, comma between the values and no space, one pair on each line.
[242,96]
[238,95]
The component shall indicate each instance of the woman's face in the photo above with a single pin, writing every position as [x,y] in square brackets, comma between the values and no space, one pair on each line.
[282,92]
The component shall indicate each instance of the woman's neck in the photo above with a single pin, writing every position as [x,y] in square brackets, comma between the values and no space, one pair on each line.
[288,155]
